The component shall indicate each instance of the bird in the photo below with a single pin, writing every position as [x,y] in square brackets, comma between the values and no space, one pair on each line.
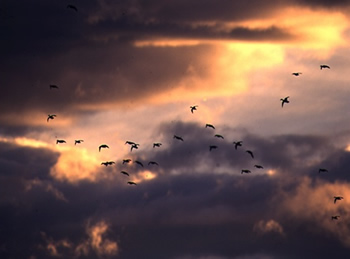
[212,147]
[218,136]
[259,166]
[102,146]
[296,73]
[129,142]
[128,160]
[322,170]
[238,144]
[209,126]
[337,198]
[250,153]
[78,141]
[284,100]
[60,141]
[179,138]
[53,87]
[156,145]
[324,66]
[139,163]
[245,171]
[107,163]
[132,183]
[72,7]
[193,108]
[136,146]
[335,217]
[51,117]
[125,173]
[152,163]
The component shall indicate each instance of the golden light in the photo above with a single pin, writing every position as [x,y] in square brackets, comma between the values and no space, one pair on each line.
[347,148]
[145,175]
[271,172]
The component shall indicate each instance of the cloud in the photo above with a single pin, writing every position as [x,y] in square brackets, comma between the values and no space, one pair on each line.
[269,226]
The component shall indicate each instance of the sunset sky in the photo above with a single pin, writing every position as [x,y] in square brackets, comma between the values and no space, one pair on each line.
[129,70]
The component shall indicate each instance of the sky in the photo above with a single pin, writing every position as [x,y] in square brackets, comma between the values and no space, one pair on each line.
[130,70]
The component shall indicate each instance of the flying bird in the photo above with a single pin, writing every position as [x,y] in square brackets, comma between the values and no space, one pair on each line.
[218,136]
[193,108]
[337,198]
[128,160]
[107,163]
[259,166]
[78,141]
[322,170]
[152,163]
[284,100]
[125,173]
[296,73]
[324,66]
[246,171]
[53,87]
[130,142]
[209,126]
[51,117]
[335,217]
[212,147]
[238,144]
[102,146]
[136,146]
[132,183]
[60,141]
[156,145]
[139,163]
[177,137]
[250,153]
[73,7]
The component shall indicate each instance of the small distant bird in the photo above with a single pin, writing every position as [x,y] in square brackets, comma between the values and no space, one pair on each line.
[324,66]
[238,144]
[102,146]
[125,173]
[72,7]
[78,141]
[193,108]
[335,217]
[259,166]
[152,163]
[337,198]
[212,147]
[284,100]
[132,183]
[177,137]
[246,171]
[60,141]
[156,145]
[139,163]
[128,160]
[136,146]
[130,142]
[250,153]
[107,163]
[322,170]
[51,117]
[296,73]
[218,136]
[53,87]
[209,125]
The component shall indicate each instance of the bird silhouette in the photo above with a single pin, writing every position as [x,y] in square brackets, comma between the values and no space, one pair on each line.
[218,136]
[60,141]
[107,163]
[335,217]
[250,153]
[128,160]
[259,166]
[193,108]
[284,100]
[324,66]
[73,7]
[50,117]
[102,146]
[78,141]
[152,163]
[125,173]
[246,171]
[238,144]
[296,73]
[209,126]
[322,170]
[129,142]
[132,183]
[178,137]
[338,198]
[156,145]
[212,147]
[139,163]
[53,87]
[134,146]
